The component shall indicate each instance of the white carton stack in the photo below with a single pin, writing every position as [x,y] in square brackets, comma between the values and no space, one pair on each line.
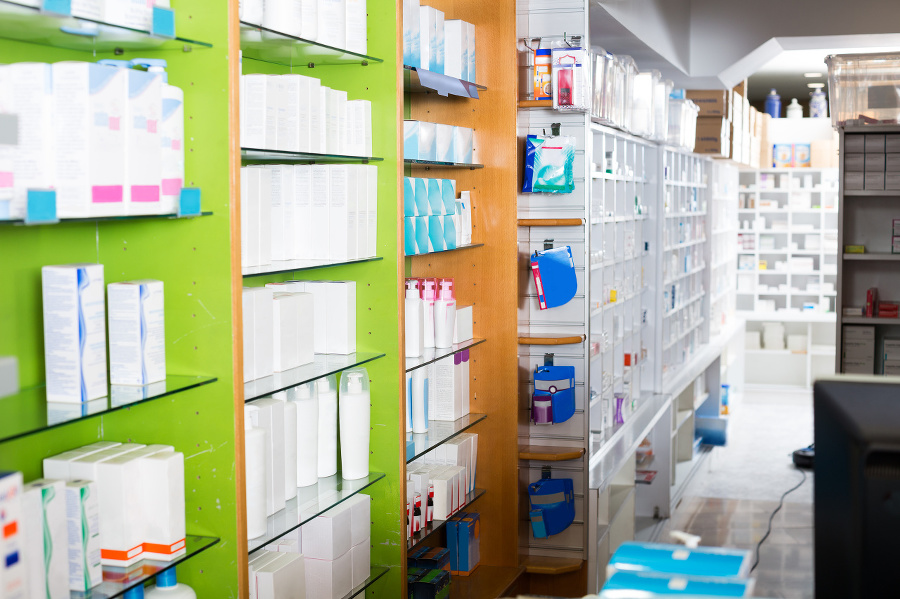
[360,507]
[797,343]
[773,335]
[328,559]
[891,357]
[858,351]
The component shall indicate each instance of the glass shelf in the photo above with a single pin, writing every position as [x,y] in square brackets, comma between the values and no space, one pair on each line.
[291,265]
[429,164]
[309,503]
[118,580]
[322,365]
[436,82]
[376,573]
[436,525]
[434,354]
[32,25]
[28,411]
[106,219]
[459,247]
[257,155]
[267,45]
[439,432]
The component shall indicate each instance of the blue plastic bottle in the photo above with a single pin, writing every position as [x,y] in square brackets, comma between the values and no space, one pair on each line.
[773,104]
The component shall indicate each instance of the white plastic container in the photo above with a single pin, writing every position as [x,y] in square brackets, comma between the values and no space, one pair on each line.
[863,88]
[328,435]
[418,392]
[794,110]
[444,314]
[414,320]
[306,399]
[255,468]
[167,587]
[355,417]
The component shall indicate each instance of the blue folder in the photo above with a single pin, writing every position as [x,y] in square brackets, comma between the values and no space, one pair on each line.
[554,276]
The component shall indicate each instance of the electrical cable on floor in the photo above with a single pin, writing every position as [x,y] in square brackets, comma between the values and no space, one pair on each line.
[772,517]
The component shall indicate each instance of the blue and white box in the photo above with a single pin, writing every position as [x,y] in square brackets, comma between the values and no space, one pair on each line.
[137,332]
[74,308]
[421,227]
[411,140]
[449,226]
[409,197]
[423,207]
[443,142]
[463,145]
[456,49]
[427,141]
[435,200]
[650,584]
[409,236]
[710,562]
[436,234]
[411,44]
[470,40]
[448,195]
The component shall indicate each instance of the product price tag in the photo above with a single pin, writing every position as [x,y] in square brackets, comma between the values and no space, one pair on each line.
[163,22]
[41,207]
[189,202]
[60,7]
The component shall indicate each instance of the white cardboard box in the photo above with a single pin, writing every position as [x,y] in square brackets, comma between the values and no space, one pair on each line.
[46,538]
[444,401]
[340,326]
[356,34]
[302,225]
[332,19]
[57,466]
[372,209]
[327,537]
[329,579]
[360,507]
[282,577]
[360,563]
[162,480]
[285,326]
[83,527]
[74,310]
[464,324]
[143,145]
[137,332]
[338,212]
[320,202]
[456,49]
[85,468]
[33,160]
[89,106]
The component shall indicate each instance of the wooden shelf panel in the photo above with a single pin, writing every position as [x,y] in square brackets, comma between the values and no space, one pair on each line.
[551,566]
[547,453]
[486,582]
[551,222]
[535,103]
[549,340]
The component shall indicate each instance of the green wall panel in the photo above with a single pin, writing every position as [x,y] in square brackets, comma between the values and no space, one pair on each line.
[192,258]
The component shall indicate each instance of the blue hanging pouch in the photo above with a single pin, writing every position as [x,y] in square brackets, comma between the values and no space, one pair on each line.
[552,502]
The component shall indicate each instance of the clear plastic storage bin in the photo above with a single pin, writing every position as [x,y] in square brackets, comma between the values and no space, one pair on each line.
[600,107]
[682,124]
[630,73]
[642,112]
[864,89]
[619,87]
[661,109]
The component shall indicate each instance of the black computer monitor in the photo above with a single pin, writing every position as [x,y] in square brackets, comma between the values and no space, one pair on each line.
[857,489]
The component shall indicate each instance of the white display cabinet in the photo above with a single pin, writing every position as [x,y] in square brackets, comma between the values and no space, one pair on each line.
[723,218]
[804,353]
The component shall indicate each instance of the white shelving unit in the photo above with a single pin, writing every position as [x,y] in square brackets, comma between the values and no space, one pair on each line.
[723,245]
[865,219]
[788,218]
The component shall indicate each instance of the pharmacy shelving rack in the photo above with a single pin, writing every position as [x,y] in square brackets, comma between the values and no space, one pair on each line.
[789,216]
[865,218]
[484,277]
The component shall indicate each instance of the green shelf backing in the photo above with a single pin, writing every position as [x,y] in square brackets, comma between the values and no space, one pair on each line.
[378,282]
[192,258]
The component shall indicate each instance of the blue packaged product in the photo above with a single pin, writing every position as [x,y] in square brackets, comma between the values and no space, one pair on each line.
[714,562]
[662,585]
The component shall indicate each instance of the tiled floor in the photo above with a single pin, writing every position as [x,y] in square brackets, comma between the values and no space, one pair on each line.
[729,502]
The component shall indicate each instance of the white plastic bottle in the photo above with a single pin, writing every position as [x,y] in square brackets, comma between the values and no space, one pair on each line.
[290,445]
[415,320]
[428,290]
[307,402]
[171,128]
[167,587]
[444,314]
[328,435]
[355,417]
[255,475]
[794,110]
[418,391]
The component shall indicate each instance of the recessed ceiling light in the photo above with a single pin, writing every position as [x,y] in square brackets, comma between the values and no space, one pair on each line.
[815,85]
[812,75]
